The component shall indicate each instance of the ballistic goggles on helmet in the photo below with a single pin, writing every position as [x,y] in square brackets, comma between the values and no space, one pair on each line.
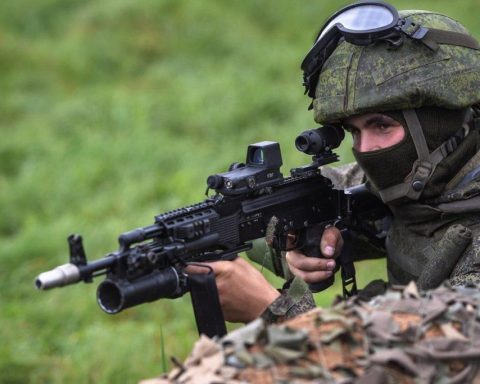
[366,23]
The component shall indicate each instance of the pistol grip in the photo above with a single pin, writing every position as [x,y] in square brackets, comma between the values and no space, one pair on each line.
[310,246]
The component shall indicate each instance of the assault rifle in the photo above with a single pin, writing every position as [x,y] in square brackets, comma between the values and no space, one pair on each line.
[251,201]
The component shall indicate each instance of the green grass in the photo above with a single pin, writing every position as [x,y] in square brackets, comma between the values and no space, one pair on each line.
[112,111]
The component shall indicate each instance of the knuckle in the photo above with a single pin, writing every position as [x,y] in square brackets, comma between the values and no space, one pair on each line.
[315,264]
[307,264]
[317,277]
[300,273]
[321,263]
[289,256]
[293,258]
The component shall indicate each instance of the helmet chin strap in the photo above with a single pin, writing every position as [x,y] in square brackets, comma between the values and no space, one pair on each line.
[426,162]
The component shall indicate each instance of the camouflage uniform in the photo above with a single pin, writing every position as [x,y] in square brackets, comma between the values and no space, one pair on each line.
[295,296]
[427,243]
[431,179]
[432,241]
[435,202]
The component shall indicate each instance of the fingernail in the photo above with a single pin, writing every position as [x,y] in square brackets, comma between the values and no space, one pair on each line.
[329,250]
[328,273]
[331,265]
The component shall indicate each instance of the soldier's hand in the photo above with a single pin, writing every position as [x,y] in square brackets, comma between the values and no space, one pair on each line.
[243,291]
[314,269]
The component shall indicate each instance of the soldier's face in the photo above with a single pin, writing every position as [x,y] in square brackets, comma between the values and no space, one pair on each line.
[374,131]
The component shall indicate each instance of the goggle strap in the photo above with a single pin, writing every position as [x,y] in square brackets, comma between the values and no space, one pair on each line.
[433,37]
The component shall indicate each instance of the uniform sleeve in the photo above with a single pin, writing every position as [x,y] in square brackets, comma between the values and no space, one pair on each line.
[344,176]
[467,270]
[266,256]
[293,301]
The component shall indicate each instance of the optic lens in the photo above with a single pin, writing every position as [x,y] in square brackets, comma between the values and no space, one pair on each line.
[258,157]
[362,18]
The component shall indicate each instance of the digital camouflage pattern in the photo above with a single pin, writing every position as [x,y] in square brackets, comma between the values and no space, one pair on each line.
[344,176]
[377,78]
[293,301]
[427,242]
[439,239]
[400,337]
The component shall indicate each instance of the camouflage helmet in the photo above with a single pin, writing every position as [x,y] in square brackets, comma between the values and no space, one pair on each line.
[431,61]
[375,78]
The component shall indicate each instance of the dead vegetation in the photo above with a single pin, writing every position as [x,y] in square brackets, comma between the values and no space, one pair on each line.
[402,337]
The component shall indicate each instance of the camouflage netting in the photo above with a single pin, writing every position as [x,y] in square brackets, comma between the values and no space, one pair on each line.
[399,337]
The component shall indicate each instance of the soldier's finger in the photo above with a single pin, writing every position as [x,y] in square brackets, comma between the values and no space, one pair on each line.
[331,243]
[312,277]
[205,267]
[196,269]
[301,262]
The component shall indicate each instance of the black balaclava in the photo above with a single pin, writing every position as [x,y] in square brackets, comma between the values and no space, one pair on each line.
[390,166]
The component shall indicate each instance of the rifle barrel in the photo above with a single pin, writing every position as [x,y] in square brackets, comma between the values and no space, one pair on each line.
[60,276]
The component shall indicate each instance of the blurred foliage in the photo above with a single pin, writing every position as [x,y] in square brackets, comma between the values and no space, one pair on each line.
[113,111]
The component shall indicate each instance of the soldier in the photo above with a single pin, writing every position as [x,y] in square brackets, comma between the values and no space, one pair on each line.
[406,85]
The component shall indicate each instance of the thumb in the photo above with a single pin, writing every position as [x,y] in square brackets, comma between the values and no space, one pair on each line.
[203,268]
